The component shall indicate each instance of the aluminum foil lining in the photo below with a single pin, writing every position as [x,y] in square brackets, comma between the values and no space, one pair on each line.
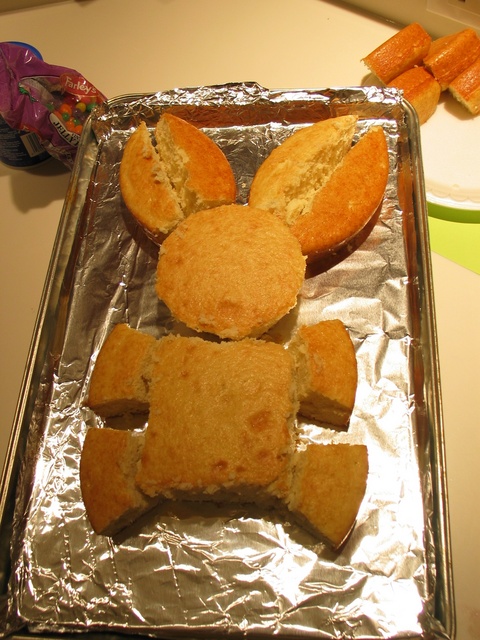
[195,570]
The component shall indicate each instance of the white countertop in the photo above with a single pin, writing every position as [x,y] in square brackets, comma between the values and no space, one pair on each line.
[154,45]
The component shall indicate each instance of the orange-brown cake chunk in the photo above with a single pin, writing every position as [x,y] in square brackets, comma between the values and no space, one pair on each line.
[108,465]
[328,485]
[420,89]
[286,181]
[450,55]
[404,50]
[466,87]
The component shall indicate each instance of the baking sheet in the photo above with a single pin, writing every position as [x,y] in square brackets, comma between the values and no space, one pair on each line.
[200,570]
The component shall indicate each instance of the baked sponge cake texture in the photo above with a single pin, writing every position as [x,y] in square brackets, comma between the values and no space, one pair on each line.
[232,271]
[120,378]
[326,371]
[183,171]
[107,478]
[344,207]
[466,87]
[288,178]
[404,50]
[327,487]
[420,89]
[324,189]
[222,427]
[450,55]
[220,419]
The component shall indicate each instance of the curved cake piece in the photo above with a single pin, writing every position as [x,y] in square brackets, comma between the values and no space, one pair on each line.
[349,199]
[220,419]
[286,181]
[120,378]
[404,50]
[183,172]
[450,55]
[108,466]
[233,271]
[326,371]
[327,486]
[421,89]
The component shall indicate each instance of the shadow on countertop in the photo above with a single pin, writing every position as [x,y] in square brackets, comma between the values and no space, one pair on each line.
[37,187]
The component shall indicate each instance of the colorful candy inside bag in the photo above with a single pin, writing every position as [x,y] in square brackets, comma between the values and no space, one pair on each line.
[49,100]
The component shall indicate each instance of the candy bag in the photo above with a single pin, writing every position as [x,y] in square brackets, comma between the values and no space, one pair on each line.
[49,100]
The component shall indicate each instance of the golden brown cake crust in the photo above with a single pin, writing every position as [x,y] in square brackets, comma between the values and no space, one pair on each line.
[328,486]
[182,172]
[466,87]
[107,479]
[421,89]
[120,378]
[401,52]
[450,55]
[348,200]
[145,188]
[208,173]
[220,417]
[233,271]
[286,181]
[222,427]
[326,371]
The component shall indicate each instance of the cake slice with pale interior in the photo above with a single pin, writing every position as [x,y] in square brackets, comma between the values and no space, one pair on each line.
[348,201]
[326,488]
[326,371]
[121,376]
[286,181]
[167,174]
[108,466]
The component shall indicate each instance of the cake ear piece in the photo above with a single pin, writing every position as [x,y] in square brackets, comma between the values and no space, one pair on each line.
[287,180]
[184,172]
[343,208]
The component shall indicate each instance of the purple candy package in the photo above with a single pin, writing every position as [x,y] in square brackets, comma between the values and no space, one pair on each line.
[48,100]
